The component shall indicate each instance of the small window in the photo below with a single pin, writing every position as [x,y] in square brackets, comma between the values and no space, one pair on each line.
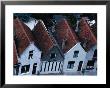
[80,66]
[95,53]
[30,54]
[34,68]
[25,68]
[75,54]
[70,64]
[90,65]
[16,69]
[53,55]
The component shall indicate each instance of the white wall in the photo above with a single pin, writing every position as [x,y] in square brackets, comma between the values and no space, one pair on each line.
[69,57]
[36,57]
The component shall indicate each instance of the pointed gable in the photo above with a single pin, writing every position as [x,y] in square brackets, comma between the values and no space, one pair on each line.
[15,55]
[42,38]
[86,36]
[23,35]
[64,36]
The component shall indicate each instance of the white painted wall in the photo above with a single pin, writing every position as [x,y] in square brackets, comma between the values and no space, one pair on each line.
[69,57]
[53,70]
[36,57]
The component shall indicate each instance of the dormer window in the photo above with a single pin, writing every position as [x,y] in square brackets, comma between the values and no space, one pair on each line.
[75,54]
[52,55]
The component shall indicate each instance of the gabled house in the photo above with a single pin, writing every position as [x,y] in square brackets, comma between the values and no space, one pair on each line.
[89,43]
[74,54]
[28,52]
[51,58]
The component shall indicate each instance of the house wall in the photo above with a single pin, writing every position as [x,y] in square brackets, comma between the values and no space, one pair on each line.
[47,68]
[69,57]
[46,59]
[55,50]
[36,57]
[89,55]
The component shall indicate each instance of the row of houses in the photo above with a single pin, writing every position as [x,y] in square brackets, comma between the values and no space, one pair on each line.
[58,50]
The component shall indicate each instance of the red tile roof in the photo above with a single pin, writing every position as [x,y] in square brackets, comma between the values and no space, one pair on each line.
[94,29]
[15,55]
[42,38]
[23,34]
[86,35]
[64,33]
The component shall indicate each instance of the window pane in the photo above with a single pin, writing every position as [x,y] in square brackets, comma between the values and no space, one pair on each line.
[90,65]
[70,64]
[25,68]
[75,54]
[53,55]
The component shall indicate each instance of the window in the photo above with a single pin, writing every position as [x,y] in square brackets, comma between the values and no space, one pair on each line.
[34,68]
[70,64]
[95,53]
[30,54]
[90,65]
[53,55]
[25,68]
[80,66]
[16,69]
[75,54]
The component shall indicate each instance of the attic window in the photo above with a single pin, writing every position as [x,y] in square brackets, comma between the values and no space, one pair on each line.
[53,55]
[70,64]
[75,54]
[30,54]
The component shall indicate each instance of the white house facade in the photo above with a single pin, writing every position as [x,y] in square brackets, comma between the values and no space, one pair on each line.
[30,62]
[74,60]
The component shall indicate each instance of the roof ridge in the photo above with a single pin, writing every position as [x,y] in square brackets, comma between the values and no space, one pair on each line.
[90,30]
[69,29]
